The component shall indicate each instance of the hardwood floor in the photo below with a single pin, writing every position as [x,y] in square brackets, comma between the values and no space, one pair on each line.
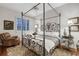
[22,51]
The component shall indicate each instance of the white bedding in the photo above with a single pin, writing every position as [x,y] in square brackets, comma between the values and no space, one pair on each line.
[50,43]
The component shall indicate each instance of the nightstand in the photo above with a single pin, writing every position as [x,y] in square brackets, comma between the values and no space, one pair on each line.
[67,42]
[64,43]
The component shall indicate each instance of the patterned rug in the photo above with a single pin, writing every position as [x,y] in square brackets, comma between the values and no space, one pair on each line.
[22,51]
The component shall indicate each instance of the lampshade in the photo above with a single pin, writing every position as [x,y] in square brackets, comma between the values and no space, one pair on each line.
[36,26]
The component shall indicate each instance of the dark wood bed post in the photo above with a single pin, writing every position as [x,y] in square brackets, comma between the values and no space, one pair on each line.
[59,24]
[22,27]
[43,29]
[59,27]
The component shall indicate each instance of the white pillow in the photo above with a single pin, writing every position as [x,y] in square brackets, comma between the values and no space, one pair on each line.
[49,33]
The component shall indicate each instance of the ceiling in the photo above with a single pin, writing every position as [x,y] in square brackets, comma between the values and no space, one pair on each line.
[19,7]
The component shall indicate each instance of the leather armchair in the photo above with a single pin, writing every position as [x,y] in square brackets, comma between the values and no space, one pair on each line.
[8,40]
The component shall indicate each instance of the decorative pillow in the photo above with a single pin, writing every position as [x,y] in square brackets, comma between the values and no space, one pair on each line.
[28,36]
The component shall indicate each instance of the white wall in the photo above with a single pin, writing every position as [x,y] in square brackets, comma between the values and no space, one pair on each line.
[7,14]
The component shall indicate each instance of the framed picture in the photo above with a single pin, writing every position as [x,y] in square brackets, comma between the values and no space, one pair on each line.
[8,25]
[75,24]
[75,28]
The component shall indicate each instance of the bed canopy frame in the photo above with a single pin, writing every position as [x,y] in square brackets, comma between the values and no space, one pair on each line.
[44,18]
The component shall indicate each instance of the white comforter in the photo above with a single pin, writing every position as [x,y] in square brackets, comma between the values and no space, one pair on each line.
[50,43]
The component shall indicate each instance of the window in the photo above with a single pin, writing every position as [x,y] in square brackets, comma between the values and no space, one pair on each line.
[22,24]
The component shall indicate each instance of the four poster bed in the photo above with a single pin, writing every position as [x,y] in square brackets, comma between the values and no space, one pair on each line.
[42,44]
